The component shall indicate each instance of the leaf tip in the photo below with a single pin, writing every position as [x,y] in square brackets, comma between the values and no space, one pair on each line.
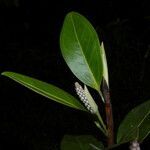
[5,73]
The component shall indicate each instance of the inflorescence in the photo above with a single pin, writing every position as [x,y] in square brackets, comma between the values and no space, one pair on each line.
[134,145]
[81,93]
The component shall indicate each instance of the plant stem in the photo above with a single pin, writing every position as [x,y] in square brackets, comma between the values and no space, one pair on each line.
[102,125]
[109,114]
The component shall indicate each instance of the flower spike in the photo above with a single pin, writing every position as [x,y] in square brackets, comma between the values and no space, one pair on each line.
[81,93]
[90,104]
[135,145]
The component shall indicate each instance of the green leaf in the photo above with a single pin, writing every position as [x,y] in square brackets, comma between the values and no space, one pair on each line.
[105,67]
[136,124]
[50,91]
[82,142]
[81,49]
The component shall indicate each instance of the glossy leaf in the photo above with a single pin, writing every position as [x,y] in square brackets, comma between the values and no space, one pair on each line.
[50,91]
[82,142]
[136,124]
[81,49]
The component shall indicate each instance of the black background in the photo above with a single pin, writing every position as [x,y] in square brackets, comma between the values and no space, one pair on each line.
[29,44]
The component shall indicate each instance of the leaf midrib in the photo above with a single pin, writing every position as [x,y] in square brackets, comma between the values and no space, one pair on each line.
[42,92]
[83,52]
[137,126]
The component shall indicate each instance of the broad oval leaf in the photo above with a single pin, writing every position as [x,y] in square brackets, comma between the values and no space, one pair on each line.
[50,91]
[82,142]
[81,49]
[136,124]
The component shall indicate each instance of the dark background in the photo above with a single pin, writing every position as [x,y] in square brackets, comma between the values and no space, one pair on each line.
[29,33]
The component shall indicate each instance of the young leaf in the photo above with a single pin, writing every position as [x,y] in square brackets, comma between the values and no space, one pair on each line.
[82,142]
[81,49]
[90,99]
[136,124]
[105,67]
[50,91]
